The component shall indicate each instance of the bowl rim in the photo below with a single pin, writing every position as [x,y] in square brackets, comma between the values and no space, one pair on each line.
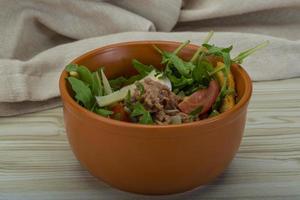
[67,99]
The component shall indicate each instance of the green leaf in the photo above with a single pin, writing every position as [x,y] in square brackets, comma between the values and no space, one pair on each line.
[227,62]
[85,75]
[157,49]
[181,46]
[190,66]
[225,53]
[121,81]
[179,83]
[127,100]
[82,92]
[181,93]
[140,111]
[104,112]
[71,67]
[140,87]
[201,73]
[219,51]
[193,88]
[215,70]
[199,51]
[118,95]
[244,54]
[177,80]
[177,70]
[177,63]
[142,68]
[197,111]
[212,49]
[118,82]
[146,118]
[134,78]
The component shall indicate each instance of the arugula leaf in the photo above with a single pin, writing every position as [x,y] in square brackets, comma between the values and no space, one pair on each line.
[171,59]
[201,73]
[134,78]
[225,53]
[212,49]
[239,59]
[192,88]
[176,62]
[177,80]
[82,92]
[157,49]
[137,110]
[117,83]
[142,68]
[71,67]
[189,65]
[180,93]
[181,46]
[213,71]
[121,81]
[197,111]
[177,70]
[219,51]
[140,111]
[140,87]
[146,118]
[104,112]
[85,75]
[127,100]
[227,62]
[200,50]
[179,83]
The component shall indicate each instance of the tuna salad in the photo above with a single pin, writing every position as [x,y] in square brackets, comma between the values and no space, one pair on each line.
[184,91]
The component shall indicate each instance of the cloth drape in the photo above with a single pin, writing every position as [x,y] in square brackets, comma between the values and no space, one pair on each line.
[39,37]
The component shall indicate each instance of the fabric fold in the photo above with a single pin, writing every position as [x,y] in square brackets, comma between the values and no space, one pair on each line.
[39,37]
[37,78]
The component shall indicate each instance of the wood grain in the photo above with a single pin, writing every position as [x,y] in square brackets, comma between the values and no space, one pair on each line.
[36,161]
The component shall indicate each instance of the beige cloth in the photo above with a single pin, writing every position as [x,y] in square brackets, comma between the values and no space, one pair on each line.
[38,37]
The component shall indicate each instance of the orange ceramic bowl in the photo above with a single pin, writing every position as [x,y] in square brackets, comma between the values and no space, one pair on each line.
[151,159]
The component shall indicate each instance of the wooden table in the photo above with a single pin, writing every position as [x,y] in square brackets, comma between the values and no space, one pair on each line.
[36,161]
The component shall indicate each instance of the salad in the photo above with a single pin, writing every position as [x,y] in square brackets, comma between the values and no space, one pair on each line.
[184,91]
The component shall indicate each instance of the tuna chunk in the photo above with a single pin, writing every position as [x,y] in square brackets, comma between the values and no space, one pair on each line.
[160,101]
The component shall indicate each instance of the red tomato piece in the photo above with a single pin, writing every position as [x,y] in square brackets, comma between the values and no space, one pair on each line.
[203,97]
[119,112]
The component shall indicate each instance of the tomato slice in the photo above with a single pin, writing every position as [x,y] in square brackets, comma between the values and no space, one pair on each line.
[120,113]
[203,97]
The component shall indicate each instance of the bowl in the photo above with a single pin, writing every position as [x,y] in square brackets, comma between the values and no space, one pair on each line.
[151,159]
